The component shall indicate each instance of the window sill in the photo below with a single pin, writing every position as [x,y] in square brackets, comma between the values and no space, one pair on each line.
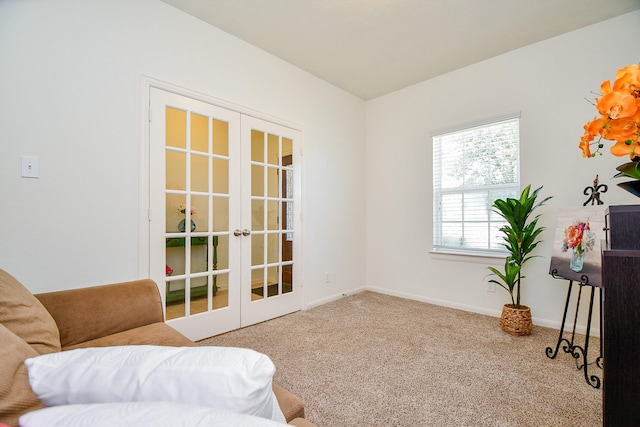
[476,257]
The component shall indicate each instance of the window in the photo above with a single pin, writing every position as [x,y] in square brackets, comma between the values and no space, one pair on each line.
[473,166]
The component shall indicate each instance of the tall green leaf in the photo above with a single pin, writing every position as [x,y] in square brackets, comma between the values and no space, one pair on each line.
[520,236]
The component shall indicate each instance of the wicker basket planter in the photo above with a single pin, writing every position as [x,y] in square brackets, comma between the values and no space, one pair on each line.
[516,321]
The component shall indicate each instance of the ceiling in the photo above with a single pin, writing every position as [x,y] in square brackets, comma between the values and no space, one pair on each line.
[373,47]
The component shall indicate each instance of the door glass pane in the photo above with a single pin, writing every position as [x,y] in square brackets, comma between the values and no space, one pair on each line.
[257,249]
[220,176]
[199,213]
[220,213]
[273,282]
[172,214]
[287,278]
[175,299]
[287,246]
[272,182]
[199,254]
[194,255]
[176,175]
[175,256]
[273,149]
[272,215]
[257,146]
[287,218]
[257,215]
[199,133]
[257,180]
[220,138]
[287,150]
[287,215]
[199,173]
[220,255]
[176,128]
[221,290]
[257,284]
[273,248]
[199,301]
[287,184]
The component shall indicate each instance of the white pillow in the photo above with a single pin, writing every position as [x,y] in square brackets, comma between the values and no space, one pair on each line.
[233,379]
[139,414]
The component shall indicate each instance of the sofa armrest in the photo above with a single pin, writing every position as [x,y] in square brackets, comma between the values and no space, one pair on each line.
[88,313]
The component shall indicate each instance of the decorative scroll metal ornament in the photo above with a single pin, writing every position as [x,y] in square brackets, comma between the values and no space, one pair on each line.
[594,193]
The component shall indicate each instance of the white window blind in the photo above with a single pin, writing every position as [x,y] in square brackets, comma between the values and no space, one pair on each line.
[473,165]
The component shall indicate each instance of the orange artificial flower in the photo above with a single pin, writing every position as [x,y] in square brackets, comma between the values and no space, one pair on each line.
[619,107]
[585,145]
[605,87]
[624,148]
[591,129]
[623,129]
[596,126]
[628,79]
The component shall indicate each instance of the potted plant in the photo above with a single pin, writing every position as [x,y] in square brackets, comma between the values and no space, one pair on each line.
[520,239]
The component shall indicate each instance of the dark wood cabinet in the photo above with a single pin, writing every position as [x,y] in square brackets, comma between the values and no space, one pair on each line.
[621,317]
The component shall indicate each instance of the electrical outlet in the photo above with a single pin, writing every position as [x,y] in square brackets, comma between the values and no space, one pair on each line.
[491,287]
[327,278]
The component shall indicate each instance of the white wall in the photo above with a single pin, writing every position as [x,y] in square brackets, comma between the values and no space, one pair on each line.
[70,78]
[548,82]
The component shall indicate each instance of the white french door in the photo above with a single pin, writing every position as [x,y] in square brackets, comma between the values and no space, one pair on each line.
[224,215]
[270,194]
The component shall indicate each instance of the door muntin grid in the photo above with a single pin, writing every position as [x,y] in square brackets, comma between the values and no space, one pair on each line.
[272,210]
[197,213]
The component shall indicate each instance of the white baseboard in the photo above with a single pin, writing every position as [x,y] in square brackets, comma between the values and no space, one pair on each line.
[595,332]
[335,297]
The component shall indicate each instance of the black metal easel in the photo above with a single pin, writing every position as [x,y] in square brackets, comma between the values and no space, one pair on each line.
[578,352]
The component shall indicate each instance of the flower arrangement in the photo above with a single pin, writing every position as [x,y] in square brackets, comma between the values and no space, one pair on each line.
[168,270]
[619,120]
[183,209]
[579,237]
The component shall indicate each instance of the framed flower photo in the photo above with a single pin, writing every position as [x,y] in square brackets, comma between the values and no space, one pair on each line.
[576,245]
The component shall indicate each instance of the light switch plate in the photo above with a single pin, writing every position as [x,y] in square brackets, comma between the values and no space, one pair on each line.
[29,166]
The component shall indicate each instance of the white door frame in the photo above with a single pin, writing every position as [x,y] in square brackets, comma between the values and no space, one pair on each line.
[144,238]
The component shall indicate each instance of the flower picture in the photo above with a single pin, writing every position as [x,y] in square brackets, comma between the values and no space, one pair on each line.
[619,120]
[579,237]
[183,209]
[577,241]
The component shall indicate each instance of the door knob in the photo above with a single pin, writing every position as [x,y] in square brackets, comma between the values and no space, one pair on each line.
[246,232]
[237,232]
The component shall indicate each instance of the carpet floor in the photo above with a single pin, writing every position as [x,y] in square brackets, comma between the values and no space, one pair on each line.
[375,360]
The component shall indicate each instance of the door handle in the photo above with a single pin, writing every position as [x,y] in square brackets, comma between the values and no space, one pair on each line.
[246,232]
[237,232]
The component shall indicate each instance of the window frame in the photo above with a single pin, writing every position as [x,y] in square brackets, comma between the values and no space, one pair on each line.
[438,222]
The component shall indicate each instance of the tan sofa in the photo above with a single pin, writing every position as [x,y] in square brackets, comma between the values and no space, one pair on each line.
[127,313]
